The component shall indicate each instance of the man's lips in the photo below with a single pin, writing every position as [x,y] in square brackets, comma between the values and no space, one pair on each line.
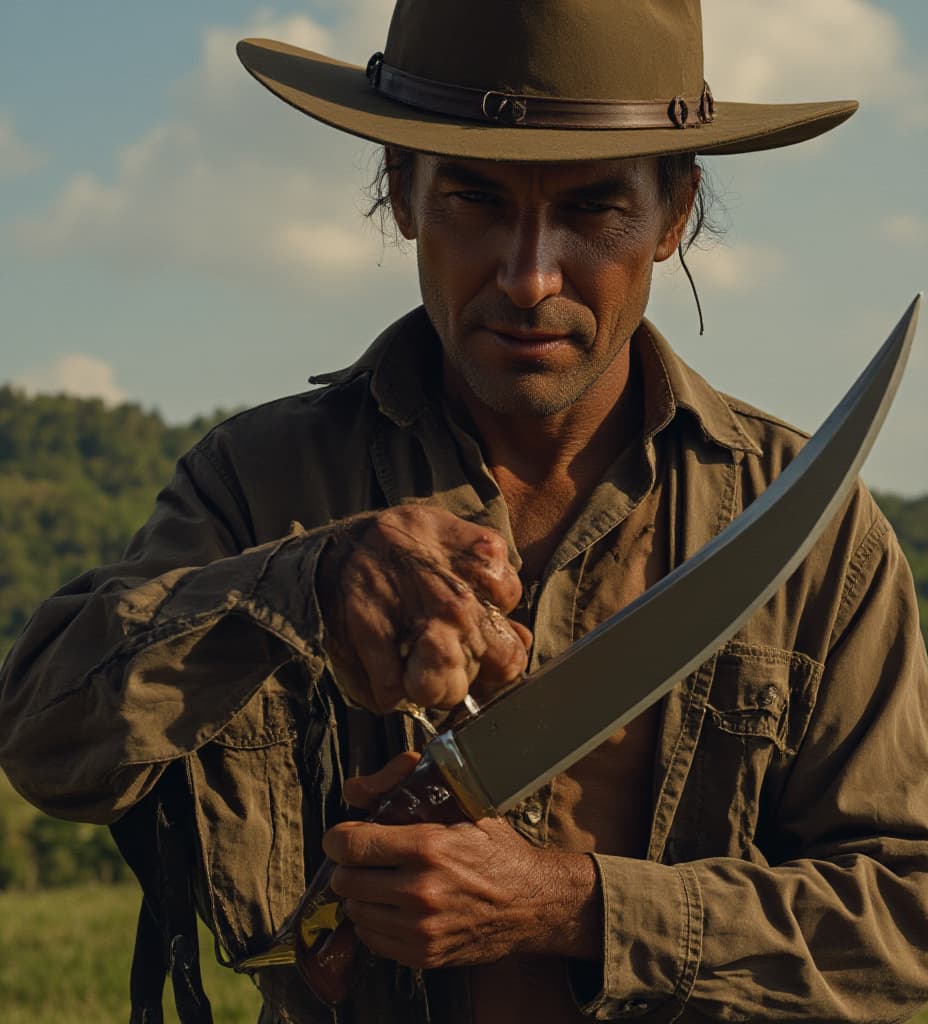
[527,337]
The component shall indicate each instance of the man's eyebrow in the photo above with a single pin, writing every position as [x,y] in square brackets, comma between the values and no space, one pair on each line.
[605,188]
[463,176]
[460,174]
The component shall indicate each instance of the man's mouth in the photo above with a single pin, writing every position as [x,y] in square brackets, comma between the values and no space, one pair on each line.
[527,336]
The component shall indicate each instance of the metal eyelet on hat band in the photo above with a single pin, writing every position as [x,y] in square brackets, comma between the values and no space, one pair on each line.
[500,106]
[679,111]
[373,69]
[706,104]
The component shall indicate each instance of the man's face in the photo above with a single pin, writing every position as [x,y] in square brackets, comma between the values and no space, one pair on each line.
[534,275]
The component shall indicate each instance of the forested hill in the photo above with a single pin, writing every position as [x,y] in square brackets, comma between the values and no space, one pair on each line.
[78,477]
[76,480]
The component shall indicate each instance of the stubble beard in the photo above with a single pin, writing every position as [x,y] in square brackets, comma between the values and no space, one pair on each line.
[525,395]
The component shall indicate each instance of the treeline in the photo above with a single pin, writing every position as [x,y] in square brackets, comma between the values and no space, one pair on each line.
[37,852]
[910,521]
[77,478]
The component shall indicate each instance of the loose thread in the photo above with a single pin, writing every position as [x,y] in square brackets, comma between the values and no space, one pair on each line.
[689,277]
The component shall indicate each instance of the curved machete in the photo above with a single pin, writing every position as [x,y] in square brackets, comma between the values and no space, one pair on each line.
[550,719]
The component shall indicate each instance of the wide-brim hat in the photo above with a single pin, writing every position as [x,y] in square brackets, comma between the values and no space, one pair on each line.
[536,80]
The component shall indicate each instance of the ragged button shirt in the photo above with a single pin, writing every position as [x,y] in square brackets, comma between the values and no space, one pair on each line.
[784,874]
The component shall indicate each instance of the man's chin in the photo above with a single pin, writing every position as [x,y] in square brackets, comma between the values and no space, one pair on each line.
[521,399]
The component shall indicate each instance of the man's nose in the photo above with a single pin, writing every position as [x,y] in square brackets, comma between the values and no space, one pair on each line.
[529,268]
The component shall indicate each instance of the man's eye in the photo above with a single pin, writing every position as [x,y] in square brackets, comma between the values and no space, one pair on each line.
[590,206]
[474,196]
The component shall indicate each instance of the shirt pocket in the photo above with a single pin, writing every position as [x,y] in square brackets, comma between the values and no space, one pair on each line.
[756,715]
[248,803]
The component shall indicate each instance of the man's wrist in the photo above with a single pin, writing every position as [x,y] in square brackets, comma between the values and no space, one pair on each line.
[571,909]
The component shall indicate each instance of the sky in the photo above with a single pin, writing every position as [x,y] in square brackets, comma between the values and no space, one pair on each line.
[172,234]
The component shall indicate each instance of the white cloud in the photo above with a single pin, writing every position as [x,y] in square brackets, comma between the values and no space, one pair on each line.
[219,68]
[321,248]
[730,268]
[905,229]
[803,50]
[77,374]
[17,157]
[235,184]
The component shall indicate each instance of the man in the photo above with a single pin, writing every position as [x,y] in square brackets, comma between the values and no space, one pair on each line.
[501,471]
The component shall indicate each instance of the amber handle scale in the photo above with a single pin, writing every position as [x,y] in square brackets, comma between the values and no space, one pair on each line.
[439,789]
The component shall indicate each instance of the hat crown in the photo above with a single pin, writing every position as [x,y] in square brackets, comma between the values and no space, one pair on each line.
[577,49]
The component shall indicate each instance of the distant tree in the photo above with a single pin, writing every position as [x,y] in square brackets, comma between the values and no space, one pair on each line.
[66,853]
[909,517]
[17,866]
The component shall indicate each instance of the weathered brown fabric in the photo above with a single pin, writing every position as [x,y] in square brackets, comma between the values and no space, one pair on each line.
[786,875]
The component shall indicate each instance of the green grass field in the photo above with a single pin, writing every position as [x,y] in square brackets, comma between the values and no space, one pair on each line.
[65,955]
[65,952]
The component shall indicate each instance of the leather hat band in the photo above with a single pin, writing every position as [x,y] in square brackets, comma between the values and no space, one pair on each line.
[536,111]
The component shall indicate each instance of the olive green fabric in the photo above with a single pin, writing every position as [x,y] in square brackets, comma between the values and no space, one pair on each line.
[601,50]
[597,49]
[786,876]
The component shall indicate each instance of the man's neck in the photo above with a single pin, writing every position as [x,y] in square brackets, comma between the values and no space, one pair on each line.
[579,441]
[547,467]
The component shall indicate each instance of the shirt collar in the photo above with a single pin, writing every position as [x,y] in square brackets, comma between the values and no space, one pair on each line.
[670,385]
[404,363]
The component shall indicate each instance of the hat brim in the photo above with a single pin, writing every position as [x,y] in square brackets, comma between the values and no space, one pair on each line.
[339,94]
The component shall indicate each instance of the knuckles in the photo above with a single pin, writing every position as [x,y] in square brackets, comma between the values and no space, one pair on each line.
[424,897]
[423,589]
[430,846]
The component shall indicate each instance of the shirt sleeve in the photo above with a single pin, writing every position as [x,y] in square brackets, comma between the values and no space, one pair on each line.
[830,925]
[133,665]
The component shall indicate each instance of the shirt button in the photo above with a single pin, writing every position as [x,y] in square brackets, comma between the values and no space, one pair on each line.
[533,814]
[768,696]
[633,1006]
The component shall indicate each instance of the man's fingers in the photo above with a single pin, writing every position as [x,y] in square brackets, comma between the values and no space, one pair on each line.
[507,644]
[484,565]
[360,844]
[363,886]
[387,946]
[363,844]
[365,791]
[523,633]
[441,666]
[447,658]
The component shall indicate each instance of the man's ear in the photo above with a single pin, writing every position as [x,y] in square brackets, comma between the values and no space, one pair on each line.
[400,175]
[676,229]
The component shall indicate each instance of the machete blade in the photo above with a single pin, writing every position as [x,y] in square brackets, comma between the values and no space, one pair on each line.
[549,720]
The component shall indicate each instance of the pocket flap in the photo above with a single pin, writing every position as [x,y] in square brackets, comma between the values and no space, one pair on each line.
[763,691]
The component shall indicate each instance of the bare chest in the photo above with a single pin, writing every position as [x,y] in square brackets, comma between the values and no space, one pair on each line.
[539,516]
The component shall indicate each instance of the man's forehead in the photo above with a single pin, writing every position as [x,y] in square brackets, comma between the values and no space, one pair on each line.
[560,177]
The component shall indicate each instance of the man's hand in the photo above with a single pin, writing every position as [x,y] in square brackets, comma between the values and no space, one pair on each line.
[414,602]
[438,895]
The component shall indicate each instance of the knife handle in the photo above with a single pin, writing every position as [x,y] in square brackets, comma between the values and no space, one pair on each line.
[325,942]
